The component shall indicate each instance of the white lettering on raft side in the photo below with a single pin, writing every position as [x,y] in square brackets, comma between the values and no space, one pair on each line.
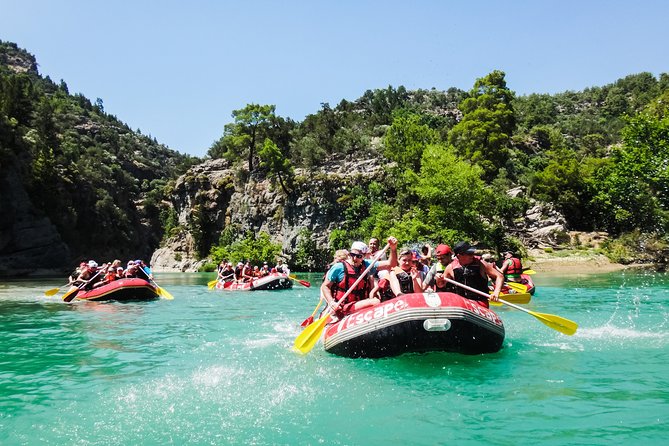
[375,313]
[482,311]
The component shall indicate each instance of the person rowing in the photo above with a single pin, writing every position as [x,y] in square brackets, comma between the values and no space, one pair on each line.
[472,271]
[342,275]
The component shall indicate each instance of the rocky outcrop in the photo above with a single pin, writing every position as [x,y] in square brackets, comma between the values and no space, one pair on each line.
[211,196]
[29,242]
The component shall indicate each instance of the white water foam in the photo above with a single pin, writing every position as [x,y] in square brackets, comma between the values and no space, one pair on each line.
[618,333]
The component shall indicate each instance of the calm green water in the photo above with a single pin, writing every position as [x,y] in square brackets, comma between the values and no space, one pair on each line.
[213,367]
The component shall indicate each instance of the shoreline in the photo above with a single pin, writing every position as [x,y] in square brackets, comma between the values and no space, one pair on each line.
[577,263]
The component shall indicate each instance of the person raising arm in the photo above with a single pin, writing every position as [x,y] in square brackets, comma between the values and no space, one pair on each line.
[342,275]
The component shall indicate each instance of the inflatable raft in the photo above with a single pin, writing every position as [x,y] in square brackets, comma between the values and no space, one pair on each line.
[526,280]
[122,290]
[271,282]
[419,322]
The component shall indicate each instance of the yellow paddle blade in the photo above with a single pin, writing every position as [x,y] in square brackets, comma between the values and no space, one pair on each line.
[517,286]
[529,271]
[67,297]
[556,322]
[164,293]
[212,284]
[517,298]
[51,292]
[306,340]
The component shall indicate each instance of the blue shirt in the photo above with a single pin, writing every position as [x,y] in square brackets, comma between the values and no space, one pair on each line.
[336,272]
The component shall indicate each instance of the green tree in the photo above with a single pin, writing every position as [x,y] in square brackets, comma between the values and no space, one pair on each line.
[633,191]
[277,164]
[406,139]
[252,125]
[307,254]
[483,135]
[452,196]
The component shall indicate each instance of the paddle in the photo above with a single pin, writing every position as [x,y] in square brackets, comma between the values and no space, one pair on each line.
[529,271]
[306,340]
[53,291]
[304,283]
[67,297]
[310,319]
[211,284]
[516,286]
[516,298]
[555,322]
[161,291]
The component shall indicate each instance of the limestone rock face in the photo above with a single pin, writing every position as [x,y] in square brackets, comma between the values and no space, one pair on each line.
[29,242]
[212,195]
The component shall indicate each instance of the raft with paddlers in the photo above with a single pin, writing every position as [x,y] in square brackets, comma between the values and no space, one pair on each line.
[132,289]
[418,322]
[408,322]
[526,285]
[274,281]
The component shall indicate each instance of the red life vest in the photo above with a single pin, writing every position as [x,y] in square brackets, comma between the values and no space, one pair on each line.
[515,268]
[350,276]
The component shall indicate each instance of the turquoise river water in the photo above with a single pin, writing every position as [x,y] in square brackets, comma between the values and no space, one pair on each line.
[214,368]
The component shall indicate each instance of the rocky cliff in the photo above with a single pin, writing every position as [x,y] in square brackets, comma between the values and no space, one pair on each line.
[211,196]
[29,242]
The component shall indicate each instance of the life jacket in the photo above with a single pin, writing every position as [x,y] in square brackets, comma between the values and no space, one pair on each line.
[350,276]
[405,280]
[227,275]
[447,287]
[111,276]
[471,276]
[516,267]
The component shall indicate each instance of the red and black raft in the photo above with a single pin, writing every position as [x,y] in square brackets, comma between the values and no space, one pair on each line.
[419,322]
[121,290]
[274,281]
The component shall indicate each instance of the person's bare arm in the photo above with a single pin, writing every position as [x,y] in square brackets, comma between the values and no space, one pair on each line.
[498,278]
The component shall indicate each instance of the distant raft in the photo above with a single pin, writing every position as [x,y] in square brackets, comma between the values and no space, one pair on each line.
[121,290]
[419,322]
[274,281]
[525,280]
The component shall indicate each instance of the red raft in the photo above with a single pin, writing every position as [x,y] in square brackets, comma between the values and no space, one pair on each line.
[525,279]
[419,322]
[122,290]
[273,281]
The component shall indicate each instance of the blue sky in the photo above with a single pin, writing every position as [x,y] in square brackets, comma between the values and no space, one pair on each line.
[176,69]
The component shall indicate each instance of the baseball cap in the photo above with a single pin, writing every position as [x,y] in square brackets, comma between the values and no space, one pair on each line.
[463,248]
[442,250]
[360,246]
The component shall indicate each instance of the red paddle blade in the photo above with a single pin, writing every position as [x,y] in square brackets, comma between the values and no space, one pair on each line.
[304,283]
[307,321]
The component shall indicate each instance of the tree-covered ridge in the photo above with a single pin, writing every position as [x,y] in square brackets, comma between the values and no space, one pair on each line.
[96,179]
[453,155]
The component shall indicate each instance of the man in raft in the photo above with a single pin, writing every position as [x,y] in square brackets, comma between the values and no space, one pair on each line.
[342,275]
[512,267]
[469,269]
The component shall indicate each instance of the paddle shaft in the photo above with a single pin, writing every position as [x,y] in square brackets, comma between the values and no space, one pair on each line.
[362,276]
[74,293]
[462,285]
[550,320]
[161,291]
[306,340]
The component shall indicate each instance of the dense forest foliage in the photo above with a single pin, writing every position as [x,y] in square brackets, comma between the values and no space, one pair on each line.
[600,156]
[96,179]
